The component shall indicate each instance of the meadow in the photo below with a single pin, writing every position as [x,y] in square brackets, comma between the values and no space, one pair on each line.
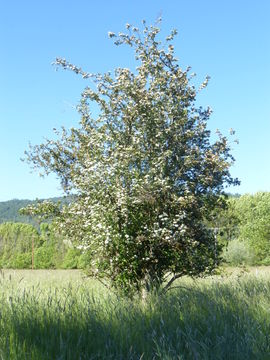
[60,314]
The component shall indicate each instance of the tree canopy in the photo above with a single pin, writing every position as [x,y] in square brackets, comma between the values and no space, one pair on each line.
[144,171]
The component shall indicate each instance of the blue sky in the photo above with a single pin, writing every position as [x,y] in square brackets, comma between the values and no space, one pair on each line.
[228,40]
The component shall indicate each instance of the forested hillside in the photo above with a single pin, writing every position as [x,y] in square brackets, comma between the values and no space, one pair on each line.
[9,210]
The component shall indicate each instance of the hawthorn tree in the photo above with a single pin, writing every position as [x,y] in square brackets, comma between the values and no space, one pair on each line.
[144,172]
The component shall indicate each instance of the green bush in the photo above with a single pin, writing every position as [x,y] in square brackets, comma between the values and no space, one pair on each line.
[16,261]
[44,257]
[238,253]
[84,260]
[254,229]
[71,259]
[21,261]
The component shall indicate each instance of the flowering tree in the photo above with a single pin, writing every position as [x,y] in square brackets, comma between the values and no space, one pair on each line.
[144,172]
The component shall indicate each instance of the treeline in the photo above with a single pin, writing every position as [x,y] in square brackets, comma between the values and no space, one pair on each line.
[19,242]
[243,229]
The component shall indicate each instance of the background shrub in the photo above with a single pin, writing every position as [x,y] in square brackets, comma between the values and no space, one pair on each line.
[71,259]
[238,253]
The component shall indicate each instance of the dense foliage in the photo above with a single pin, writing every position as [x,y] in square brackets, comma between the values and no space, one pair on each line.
[245,228]
[16,244]
[254,215]
[145,173]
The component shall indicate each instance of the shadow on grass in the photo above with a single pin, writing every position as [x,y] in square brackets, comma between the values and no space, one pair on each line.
[217,321]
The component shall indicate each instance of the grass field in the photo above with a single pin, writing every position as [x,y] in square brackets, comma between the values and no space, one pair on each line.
[61,315]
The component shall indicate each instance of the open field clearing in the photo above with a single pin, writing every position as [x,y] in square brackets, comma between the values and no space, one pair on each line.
[60,315]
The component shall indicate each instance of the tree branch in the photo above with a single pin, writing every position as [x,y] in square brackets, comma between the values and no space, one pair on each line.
[169,283]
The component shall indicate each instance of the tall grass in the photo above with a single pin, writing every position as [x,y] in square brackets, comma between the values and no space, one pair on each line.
[217,318]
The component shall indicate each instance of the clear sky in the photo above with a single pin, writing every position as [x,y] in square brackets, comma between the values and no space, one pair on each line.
[228,40]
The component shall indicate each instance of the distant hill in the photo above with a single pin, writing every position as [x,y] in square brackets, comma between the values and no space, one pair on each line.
[9,210]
